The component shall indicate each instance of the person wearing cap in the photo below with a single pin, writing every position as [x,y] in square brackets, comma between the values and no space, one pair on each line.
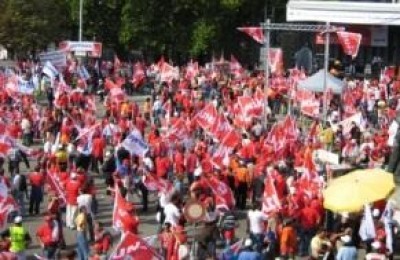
[72,188]
[19,238]
[47,234]
[347,251]
[248,253]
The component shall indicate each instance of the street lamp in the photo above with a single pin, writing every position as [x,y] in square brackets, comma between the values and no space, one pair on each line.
[80,19]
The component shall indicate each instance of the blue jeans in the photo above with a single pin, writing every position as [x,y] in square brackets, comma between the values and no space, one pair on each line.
[305,240]
[258,241]
[82,245]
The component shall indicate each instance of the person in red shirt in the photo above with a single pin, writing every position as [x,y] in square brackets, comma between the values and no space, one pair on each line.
[167,241]
[72,188]
[162,166]
[36,180]
[102,240]
[47,234]
[309,220]
[191,164]
[98,147]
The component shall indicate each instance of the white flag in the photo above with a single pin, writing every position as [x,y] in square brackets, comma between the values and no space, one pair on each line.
[367,227]
[50,70]
[135,144]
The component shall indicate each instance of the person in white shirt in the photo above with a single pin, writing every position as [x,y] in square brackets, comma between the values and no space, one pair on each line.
[85,199]
[255,225]
[172,212]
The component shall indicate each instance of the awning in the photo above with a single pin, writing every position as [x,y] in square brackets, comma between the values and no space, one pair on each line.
[343,12]
[315,83]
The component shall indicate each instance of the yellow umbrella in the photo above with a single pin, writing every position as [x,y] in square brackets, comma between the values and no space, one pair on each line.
[351,192]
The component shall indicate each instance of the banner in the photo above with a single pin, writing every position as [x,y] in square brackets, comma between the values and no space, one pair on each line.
[50,70]
[271,201]
[55,186]
[135,144]
[350,42]
[133,247]
[155,183]
[57,58]
[94,49]
[222,192]
[7,205]
[346,124]
[120,211]
[254,32]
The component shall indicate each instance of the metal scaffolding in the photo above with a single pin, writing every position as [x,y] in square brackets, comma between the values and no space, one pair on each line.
[325,29]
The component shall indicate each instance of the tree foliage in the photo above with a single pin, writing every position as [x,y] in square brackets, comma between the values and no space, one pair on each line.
[180,29]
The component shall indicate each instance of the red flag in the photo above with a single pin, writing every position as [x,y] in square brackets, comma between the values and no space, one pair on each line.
[155,183]
[120,211]
[310,107]
[117,64]
[254,32]
[220,155]
[192,70]
[235,67]
[177,131]
[275,59]
[133,247]
[7,205]
[350,42]
[271,201]
[139,75]
[222,192]
[206,117]
[55,186]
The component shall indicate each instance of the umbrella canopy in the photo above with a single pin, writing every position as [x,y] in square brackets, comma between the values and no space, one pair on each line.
[351,192]
[315,83]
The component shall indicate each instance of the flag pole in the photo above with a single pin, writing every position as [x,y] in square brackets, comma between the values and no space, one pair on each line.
[266,68]
[326,68]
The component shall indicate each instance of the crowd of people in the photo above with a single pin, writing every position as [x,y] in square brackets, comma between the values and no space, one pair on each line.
[203,137]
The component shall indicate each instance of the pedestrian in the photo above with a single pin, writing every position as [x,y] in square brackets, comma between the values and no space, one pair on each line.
[347,251]
[288,240]
[72,192]
[81,230]
[36,180]
[48,235]
[19,238]
[85,199]
[255,226]
[19,190]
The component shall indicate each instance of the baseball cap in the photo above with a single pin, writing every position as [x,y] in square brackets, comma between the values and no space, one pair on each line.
[18,220]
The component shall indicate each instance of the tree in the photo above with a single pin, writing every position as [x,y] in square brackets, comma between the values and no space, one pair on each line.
[28,26]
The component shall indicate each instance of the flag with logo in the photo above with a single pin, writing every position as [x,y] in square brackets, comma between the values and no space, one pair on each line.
[206,117]
[132,247]
[120,211]
[222,192]
[54,185]
[135,143]
[350,42]
[271,201]
[155,183]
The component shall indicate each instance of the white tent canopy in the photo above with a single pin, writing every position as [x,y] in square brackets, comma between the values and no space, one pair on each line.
[343,12]
[315,83]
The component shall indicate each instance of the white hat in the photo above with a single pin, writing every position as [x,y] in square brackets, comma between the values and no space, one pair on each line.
[376,213]
[376,245]
[197,172]
[345,239]
[18,220]
[248,242]
[74,175]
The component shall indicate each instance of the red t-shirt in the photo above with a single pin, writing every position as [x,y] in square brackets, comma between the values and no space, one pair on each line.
[98,147]
[44,233]
[308,218]
[72,191]
[36,179]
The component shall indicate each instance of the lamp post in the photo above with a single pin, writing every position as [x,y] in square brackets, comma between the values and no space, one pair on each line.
[80,19]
